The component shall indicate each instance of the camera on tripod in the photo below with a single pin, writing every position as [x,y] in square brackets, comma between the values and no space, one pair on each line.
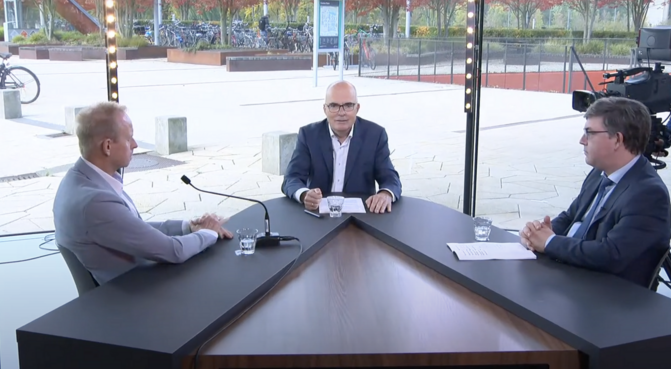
[650,86]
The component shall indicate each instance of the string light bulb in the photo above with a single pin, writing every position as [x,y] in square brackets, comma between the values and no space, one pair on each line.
[111,59]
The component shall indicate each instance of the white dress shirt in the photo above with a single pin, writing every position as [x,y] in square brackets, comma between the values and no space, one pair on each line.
[117,184]
[340,152]
[616,177]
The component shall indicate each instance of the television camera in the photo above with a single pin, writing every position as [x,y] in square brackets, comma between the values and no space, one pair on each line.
[648,85]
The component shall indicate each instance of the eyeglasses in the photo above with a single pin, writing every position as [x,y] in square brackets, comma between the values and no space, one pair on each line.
[589,132]
[334,108]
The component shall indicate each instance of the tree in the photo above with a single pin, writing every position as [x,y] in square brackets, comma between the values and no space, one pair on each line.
[390,10]
[290,8]
[525,10]
[588,10]
[183,7]
[444,10]
[357,7]
[47,10]
[637,10]
[225,8]
[125,14]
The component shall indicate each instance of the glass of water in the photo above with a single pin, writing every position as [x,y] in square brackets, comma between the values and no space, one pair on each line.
[483,226]
[247,238]
[335,205]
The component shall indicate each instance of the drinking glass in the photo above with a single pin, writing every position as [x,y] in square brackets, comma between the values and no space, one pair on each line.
[335,205]
[482,227]
[247,239]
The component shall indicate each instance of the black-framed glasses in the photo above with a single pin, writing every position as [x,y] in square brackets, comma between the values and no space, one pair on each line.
[589,132]
[334,108]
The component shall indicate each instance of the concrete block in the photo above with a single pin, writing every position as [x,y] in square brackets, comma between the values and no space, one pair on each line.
[276,150]
[170,135]
[11,104]
[71,118]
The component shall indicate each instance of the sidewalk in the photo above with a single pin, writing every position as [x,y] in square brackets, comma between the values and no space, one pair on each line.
[530,161]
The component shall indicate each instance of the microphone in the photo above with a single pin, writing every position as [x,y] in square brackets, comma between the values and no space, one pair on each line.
[266,238]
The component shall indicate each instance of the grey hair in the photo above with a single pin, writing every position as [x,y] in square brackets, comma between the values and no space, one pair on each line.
[98,122]
[629,117]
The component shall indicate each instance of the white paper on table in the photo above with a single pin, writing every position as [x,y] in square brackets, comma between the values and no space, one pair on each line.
[491,251]
[351,205]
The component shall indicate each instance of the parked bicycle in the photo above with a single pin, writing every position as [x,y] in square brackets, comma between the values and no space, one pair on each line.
[18,77]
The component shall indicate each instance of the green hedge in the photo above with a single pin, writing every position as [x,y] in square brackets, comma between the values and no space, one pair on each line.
[423,31]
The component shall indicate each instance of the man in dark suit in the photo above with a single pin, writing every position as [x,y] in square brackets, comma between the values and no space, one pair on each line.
[342,153]
[620,222]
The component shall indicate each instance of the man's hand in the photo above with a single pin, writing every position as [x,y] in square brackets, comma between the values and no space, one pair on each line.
[535,234]
[312,198]
[212,222]
[380,202]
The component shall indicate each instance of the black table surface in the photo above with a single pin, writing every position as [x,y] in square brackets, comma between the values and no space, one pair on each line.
[152,317]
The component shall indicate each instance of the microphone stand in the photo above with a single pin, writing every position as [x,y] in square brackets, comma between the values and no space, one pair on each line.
[266,238]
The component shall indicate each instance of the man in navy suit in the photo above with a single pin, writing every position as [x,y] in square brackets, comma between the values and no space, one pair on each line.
[342,153]
[620,222]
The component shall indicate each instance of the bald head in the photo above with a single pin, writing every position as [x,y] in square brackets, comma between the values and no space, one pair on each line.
[341,106]
[341,88]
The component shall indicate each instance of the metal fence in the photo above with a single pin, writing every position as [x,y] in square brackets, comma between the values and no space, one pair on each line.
[526,64]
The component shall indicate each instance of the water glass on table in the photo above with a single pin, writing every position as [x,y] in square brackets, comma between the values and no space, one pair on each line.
[335,205]
[482,227]
[247,239]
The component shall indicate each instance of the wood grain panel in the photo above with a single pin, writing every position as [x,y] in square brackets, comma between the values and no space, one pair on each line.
[359,302]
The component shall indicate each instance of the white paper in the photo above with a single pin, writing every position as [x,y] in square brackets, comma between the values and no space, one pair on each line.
[491,251]
[351,205]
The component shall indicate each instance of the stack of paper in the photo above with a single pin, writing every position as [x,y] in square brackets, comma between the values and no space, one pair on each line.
[352,205]
[491,251]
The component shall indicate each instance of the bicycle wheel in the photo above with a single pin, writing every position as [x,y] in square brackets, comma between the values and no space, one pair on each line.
[22,78]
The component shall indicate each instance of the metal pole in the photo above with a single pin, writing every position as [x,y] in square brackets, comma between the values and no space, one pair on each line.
[408,18]
[157,20]
[265,8]
[419,62]
[315,41]
[524,68]
[473,120]
[341,41]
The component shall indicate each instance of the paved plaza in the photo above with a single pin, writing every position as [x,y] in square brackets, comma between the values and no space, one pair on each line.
[530,161]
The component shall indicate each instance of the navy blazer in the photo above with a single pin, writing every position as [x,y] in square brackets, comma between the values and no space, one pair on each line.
[630,233]
[368,161]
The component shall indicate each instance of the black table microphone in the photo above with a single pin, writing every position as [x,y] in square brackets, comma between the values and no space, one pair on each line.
[266,238]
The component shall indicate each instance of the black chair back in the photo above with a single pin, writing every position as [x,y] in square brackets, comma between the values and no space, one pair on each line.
[83,278]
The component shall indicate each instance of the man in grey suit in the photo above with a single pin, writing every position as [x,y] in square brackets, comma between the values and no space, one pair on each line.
[620,222]
[96,220]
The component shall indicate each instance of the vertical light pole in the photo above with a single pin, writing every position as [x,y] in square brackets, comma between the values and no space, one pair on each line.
[111,60]
[472,83]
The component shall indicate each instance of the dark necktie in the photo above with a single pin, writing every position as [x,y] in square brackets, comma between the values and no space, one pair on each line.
[582,230]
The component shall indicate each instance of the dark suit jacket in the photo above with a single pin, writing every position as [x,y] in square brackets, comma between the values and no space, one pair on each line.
[368,161]
[629,234]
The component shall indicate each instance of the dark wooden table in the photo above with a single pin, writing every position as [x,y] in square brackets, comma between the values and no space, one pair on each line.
[368,290]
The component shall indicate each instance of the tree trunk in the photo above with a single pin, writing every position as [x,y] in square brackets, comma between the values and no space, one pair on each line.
[223,23]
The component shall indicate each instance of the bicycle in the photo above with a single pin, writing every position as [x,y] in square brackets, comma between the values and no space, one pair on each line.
[9,79]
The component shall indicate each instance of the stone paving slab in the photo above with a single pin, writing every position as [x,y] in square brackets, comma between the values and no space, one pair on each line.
[530,161]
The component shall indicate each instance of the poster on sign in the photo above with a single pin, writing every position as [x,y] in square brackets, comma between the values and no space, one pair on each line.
[329,25]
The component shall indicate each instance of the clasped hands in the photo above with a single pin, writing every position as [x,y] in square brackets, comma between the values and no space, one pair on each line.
[378,203]
[535,234]
[212,222]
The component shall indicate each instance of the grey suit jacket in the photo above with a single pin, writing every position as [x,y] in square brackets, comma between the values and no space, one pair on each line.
[109,238]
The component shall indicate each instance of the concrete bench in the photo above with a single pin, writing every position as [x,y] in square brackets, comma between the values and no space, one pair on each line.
[71,118]
[171,135]
[276,150]
[11,104]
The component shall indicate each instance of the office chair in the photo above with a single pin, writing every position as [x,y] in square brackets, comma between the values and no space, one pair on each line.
[665,264]
[83,278]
